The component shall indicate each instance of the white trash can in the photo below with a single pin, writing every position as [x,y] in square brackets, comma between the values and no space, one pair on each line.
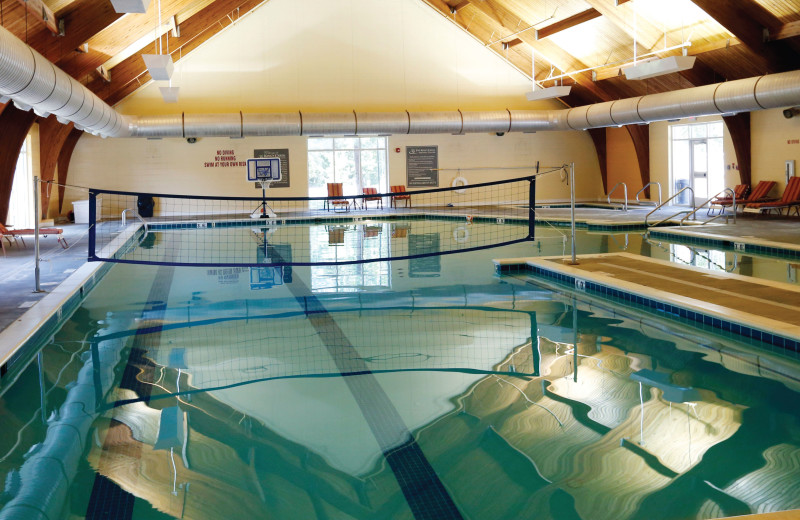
[81,209]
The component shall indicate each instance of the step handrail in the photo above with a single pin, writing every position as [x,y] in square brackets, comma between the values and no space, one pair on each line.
[665,203]
[645,187]
[625,189]
[733,199]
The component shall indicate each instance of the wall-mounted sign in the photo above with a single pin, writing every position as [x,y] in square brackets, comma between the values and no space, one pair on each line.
[422,163]
[283,155]
[225,159]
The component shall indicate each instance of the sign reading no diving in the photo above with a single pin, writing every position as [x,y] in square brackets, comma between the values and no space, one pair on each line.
[422,163]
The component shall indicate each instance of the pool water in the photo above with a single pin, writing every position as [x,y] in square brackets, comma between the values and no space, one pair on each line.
[418,388]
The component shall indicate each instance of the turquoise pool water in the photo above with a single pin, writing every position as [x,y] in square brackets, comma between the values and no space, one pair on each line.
[421,388]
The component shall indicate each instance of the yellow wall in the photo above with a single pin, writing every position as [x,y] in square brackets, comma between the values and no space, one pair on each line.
[318,55]
[775,140]
[175,166]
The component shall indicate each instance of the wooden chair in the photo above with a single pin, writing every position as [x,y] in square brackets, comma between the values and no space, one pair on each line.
[335,190]
[403,195]
[790,199]
[8,234]
[372,198]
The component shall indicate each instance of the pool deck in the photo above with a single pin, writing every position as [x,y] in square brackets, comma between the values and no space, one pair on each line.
[761,310]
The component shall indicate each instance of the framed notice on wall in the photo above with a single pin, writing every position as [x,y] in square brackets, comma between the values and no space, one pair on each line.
[422,163]
[283,155]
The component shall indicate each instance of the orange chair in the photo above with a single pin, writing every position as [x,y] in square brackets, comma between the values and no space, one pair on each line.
[372,192]
[335,190]
[740,191]
[401,189]
[8,234]
[790,199]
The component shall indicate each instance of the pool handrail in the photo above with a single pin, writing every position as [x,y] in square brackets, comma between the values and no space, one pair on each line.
[136,214]
[625,189]
[665,203]
[722,214]
[645,187]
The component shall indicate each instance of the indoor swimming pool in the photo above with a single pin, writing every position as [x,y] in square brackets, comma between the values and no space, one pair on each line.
[360,386]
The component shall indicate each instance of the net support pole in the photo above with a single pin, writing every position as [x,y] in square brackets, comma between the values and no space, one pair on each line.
[532,209]
[574,260]
[92,224]
[36,269]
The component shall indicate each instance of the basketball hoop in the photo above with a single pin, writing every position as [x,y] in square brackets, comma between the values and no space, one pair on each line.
[264,172]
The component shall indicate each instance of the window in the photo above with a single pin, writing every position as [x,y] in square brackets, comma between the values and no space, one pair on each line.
[20,208]
[697,161]
[356,162]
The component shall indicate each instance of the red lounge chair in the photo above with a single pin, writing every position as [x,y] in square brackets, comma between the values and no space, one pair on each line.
[371,191]
[790,199]
[8,234]
[335,190]
[741,191]
[403,195]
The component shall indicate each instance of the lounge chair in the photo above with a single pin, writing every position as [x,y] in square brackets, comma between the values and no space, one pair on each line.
[372,192]
[740,191]
[335,190]
[403,195]
[790,199]
[8,234]
[759,194]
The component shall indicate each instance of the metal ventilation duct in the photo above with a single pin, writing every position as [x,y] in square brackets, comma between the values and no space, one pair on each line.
[31,81]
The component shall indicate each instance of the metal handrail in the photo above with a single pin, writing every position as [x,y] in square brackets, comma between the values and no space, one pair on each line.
[733,199]
[625,189]
[645,187]
[136,214]
[665,203]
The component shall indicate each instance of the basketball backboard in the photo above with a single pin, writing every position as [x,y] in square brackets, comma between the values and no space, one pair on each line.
[265,169]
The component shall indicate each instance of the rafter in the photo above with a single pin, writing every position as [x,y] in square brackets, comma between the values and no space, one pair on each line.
[748,21]
[566,23]
[42,13]
[787,30]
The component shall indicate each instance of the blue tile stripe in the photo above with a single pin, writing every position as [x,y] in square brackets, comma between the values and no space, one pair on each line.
[755,336]
[727,244]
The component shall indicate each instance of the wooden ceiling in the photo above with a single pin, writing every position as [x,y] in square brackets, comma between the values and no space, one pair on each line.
[590,40]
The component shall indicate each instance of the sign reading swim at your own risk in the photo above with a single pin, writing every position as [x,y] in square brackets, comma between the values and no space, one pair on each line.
[422,163]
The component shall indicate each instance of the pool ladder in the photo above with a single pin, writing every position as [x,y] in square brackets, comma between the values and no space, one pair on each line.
[625,190]
[690,212]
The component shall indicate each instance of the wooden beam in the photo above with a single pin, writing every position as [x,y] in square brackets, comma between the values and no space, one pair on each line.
[566,23]
[64,157]
[750,22]
[512,43]
[598,136]
[640,135]
[459,6]
[52,135]
[739,129]
[43,13]
[14,126]
[131,74]
[787,30]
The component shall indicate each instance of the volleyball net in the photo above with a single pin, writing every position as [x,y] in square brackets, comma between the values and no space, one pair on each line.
[343,228]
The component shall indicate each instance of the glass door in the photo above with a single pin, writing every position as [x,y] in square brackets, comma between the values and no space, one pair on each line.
[697,161]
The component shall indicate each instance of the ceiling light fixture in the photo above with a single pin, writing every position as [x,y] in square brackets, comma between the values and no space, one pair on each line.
[653,68]
[130,6]
[538,94]
[159,65]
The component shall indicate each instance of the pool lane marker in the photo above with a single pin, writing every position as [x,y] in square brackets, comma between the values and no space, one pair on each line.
[424,491]
[109,500]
